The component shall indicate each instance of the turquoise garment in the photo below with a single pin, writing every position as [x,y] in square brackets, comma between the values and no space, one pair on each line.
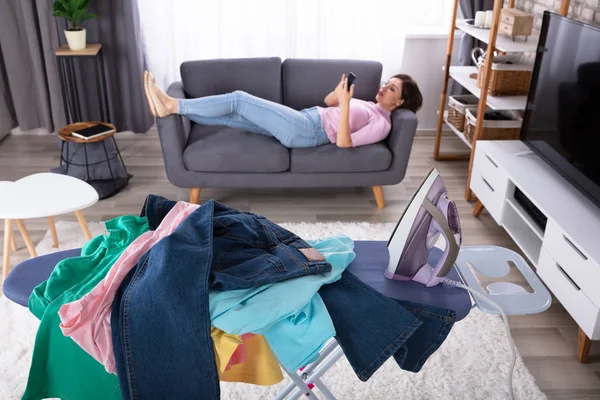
[290,314]
[296,340]
[59,367]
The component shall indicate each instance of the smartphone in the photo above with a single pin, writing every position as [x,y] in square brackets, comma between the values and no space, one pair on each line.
[351,79]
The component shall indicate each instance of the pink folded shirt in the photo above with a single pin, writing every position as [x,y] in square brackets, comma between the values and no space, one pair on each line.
[87,320]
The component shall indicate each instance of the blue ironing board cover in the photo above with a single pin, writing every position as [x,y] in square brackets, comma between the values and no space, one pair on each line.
[371,260]
[23,278]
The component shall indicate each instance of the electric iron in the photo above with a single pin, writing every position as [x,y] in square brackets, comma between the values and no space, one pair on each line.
[428,215]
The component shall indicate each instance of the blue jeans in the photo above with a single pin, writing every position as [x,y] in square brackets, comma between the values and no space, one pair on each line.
[371,327]
[294,129]
[160,316]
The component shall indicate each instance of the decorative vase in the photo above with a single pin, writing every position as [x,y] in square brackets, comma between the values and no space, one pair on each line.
[76,38]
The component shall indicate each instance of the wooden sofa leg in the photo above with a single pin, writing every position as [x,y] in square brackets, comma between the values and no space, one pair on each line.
[195,195]
[378,191]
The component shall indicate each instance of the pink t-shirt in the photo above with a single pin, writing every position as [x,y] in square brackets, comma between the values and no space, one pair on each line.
[369,122]
[87,320]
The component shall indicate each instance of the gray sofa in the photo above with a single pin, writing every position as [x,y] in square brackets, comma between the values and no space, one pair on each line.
[198,156]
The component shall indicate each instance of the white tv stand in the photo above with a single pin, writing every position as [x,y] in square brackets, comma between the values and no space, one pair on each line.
[567,252]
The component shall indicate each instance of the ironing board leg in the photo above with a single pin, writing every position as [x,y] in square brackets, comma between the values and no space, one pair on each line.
[301,386]
[328,395]
[327,349]
[320,371]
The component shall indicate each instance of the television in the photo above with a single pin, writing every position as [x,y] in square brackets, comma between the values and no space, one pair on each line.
[561,122]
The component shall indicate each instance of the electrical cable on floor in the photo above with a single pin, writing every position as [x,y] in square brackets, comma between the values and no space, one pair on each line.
[508,334]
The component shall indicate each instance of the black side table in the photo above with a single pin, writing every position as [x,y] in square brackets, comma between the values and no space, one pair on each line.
[66,65]
[118,172]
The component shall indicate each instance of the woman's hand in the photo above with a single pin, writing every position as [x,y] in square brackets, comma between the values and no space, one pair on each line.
[344,96]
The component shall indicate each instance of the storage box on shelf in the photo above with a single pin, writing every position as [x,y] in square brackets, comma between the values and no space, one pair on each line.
[457,109]
[458,133]
[507,79]
[515,22]
[495,129]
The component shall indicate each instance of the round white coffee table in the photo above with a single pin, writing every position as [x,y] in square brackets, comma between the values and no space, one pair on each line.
[42,195]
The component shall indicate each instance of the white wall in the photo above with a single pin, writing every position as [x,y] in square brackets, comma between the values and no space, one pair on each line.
[424,57]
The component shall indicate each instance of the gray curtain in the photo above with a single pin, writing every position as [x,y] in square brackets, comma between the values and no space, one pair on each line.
[30,95]
[28,72]
[468,9]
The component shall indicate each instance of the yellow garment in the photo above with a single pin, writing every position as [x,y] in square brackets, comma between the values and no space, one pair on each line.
[225,345]
[260,368]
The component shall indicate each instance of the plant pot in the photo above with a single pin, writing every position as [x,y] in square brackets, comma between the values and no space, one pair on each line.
[76,39]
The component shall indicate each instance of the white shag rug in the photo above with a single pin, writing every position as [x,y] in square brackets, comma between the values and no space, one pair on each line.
[471,364]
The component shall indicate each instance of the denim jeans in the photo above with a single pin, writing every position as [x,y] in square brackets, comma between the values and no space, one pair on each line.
[160,317]
[294,129]
[371,327]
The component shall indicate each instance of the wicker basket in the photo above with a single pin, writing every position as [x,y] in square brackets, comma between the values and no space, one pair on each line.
[457,108]
[507,79]
[493,129]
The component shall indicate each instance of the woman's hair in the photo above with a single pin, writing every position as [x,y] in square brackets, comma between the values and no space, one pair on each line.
[413,100]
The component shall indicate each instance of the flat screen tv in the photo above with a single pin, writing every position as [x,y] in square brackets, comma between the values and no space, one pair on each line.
[562,118]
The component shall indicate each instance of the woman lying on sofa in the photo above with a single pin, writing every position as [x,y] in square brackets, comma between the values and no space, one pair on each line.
[346,122]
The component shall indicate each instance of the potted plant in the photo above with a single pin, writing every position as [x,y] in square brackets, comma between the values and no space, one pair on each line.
[74,11]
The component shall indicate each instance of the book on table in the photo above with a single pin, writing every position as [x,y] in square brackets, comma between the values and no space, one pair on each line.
[93,131]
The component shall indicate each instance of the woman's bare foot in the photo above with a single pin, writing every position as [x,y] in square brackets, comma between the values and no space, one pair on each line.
[159,103]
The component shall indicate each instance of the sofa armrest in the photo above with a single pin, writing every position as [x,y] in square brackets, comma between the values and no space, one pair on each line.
[173,132]
[400,139]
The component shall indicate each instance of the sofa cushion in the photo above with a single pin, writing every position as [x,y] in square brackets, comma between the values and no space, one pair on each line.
[306,82]
[224,149]
[330,158]
[258,76]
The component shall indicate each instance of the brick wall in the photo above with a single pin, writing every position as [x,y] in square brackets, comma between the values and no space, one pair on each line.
[583,10]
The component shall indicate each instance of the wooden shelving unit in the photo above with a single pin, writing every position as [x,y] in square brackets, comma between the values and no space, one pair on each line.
[462,75]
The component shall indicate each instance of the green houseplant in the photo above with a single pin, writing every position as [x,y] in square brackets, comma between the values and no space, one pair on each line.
[74,11]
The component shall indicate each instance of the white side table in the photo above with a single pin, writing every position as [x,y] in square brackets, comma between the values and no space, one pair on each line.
[43,195]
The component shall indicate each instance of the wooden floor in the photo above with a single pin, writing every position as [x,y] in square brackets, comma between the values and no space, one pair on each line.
[547,341]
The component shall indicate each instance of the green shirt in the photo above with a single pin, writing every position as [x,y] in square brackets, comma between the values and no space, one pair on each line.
[59,367]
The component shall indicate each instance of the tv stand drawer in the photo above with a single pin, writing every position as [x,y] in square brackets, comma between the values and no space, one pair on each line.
[570,295]
[493,173]
[584,271]
[491,197]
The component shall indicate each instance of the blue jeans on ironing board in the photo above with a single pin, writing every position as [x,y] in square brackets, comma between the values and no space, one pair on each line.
[160,318]
[294,129]
[371,328]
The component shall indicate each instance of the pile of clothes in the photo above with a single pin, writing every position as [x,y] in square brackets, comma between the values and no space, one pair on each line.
[172,302]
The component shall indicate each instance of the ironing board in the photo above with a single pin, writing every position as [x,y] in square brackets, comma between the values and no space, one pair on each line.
[472,264]
[371,261]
